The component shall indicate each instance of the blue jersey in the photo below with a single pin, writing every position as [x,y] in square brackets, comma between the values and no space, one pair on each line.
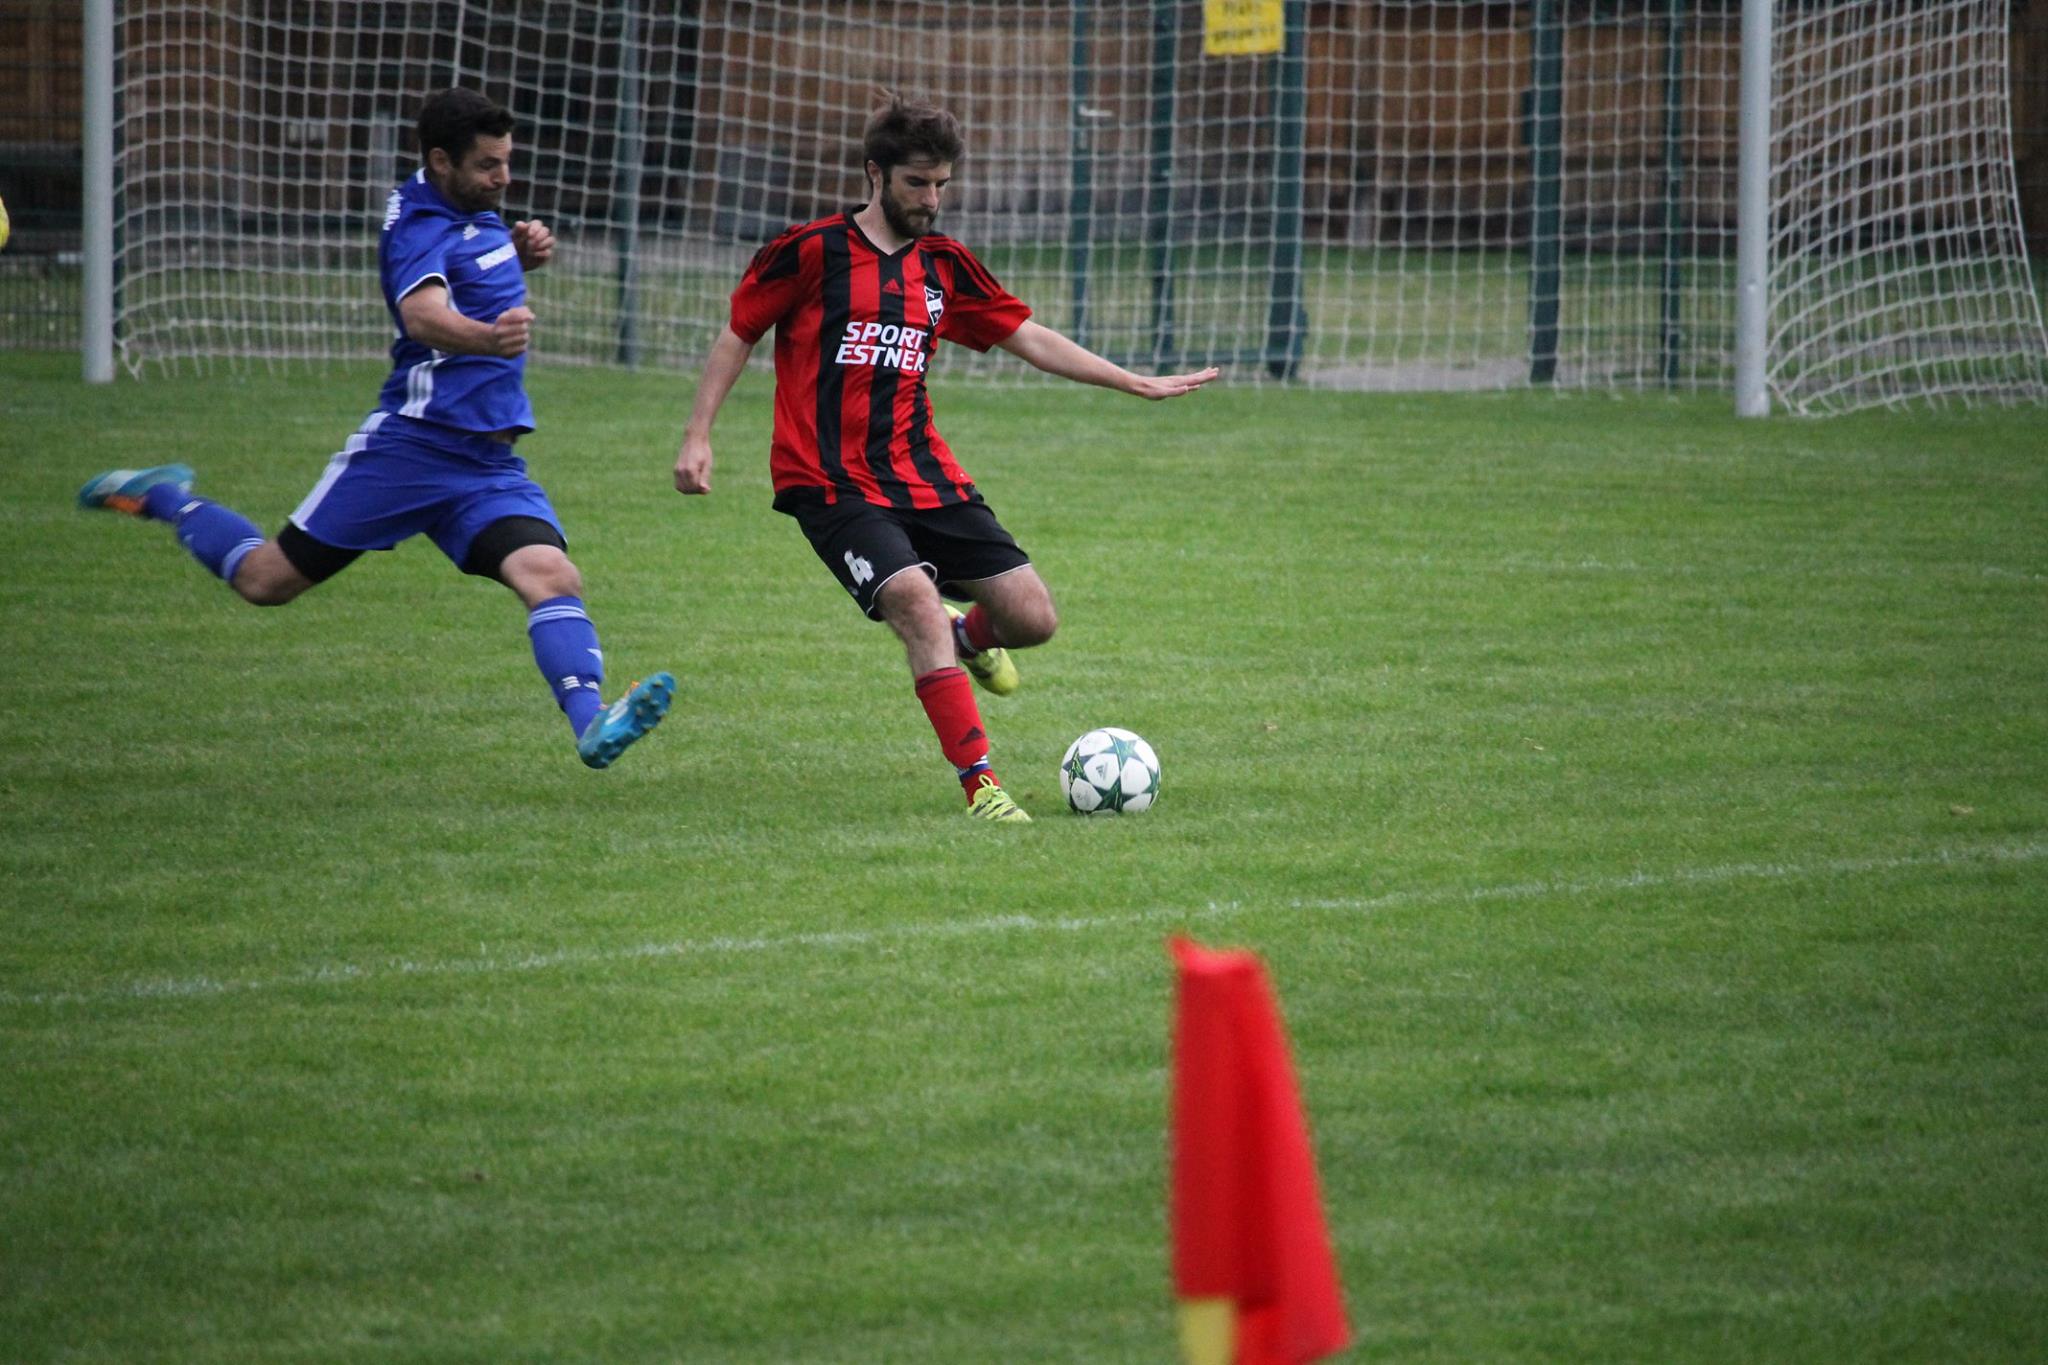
[427,238]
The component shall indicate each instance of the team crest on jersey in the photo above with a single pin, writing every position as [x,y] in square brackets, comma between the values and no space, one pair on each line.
[934,304]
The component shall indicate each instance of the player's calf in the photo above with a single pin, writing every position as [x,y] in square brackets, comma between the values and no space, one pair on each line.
[267,577]
[1023,625]
[1013,610]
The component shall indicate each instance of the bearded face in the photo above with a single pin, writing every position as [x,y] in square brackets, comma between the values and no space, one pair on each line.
[910,197]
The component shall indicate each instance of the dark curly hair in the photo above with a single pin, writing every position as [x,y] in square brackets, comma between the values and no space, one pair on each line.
[909,130]
[454,119]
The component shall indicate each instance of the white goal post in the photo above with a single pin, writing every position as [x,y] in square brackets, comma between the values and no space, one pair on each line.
[1894,266]
[1362,194]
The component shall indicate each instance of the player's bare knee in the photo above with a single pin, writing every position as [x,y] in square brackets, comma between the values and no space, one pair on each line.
[1034,626]
[540,572]
[265,594]
[267,579]
[564,579]
[909,605]
[1026,620]
[560,581]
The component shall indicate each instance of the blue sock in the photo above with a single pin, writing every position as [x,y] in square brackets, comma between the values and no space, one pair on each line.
[216,536]
[565,648]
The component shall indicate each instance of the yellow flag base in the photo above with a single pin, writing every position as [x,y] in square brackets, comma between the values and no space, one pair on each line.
[1208,1331]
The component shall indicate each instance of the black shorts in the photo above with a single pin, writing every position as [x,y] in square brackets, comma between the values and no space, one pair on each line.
[865,545]
[319,561]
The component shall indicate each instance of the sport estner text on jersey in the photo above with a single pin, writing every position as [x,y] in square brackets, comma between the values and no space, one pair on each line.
[905,349]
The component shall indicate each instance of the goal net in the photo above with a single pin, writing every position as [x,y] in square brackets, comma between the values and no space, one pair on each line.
[1898,269]
[1365,194]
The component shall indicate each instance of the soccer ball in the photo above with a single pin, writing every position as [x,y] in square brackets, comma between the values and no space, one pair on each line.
[1109,772]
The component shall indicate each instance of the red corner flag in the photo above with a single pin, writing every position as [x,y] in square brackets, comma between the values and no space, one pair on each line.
[1252,1264]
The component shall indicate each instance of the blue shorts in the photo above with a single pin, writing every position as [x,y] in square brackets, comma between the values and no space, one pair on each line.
[397,478]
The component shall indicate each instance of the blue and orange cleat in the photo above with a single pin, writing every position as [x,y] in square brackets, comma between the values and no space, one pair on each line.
[626,720]
[122,490]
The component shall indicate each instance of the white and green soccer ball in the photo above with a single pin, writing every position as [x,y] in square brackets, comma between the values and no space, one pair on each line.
[1110,772]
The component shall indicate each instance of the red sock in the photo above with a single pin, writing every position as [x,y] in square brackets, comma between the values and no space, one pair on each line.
[948,700]
[979,630]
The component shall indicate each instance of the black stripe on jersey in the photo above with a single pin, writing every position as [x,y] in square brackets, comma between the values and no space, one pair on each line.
[970,278]
[836,309]
[920,414]
[920,446]
[775,260]
[778,257]
[784,255]
[882,383]
[921,449]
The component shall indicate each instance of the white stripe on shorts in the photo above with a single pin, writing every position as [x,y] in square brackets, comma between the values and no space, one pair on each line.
[336,467]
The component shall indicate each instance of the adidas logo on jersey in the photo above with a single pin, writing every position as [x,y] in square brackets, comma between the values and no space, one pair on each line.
[892,287]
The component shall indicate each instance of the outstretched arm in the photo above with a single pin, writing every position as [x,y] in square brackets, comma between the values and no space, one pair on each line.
[1056,354]
[721,371]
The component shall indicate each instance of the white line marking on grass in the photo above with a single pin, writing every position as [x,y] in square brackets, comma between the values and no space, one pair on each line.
[833,940]
[1592,564]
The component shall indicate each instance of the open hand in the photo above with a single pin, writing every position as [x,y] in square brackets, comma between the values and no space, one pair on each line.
[1157,387]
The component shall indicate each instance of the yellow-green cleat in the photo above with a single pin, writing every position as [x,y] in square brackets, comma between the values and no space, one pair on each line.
[991,802]
[992,667]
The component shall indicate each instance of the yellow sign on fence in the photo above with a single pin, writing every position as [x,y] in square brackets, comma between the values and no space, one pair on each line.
[1235,27]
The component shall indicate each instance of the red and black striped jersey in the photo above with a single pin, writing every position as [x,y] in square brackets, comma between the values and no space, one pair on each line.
[854,332]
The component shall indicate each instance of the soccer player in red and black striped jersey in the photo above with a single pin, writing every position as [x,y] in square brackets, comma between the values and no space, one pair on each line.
[857,302]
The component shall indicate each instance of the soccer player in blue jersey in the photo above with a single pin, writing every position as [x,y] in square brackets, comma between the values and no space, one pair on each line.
[436,456]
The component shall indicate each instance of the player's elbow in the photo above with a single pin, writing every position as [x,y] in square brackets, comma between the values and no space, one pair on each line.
[1027,343]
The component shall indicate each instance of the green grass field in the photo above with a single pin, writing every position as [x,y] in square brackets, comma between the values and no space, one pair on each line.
[1643,814]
